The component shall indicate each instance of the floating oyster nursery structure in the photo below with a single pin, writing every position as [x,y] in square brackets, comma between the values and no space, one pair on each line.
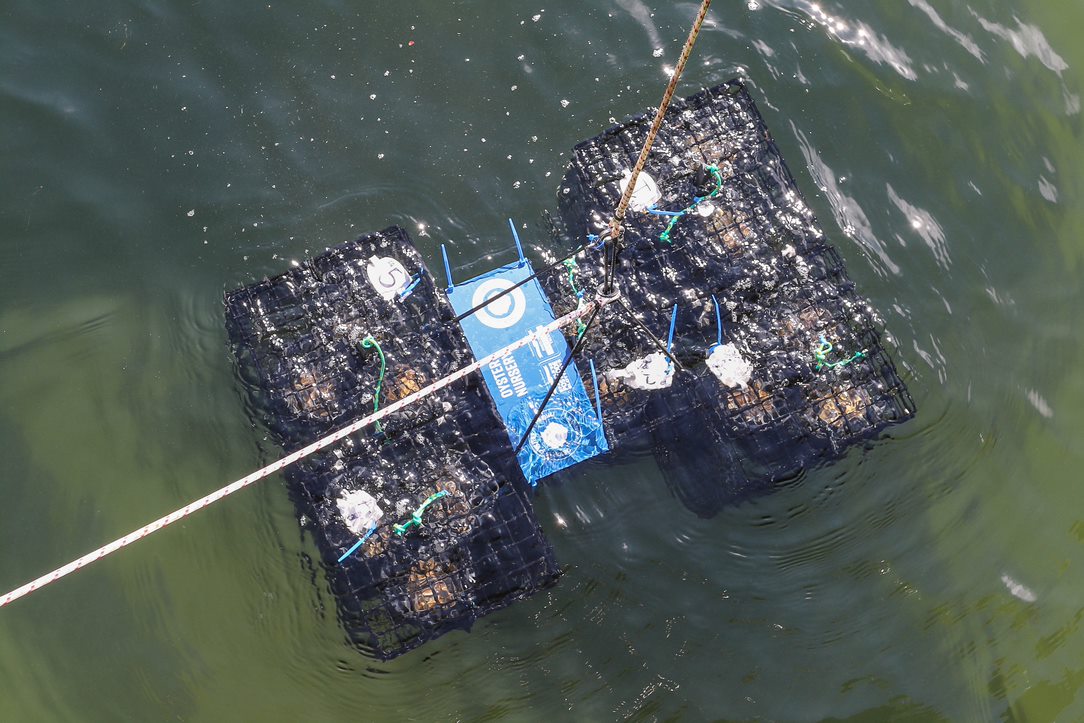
[449,532]
[785,365]
[773,363]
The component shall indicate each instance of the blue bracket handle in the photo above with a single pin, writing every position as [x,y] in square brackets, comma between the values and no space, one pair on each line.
[447,268]
[519,246]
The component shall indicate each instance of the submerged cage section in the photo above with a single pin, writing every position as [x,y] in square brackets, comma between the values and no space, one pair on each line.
[785,364]
[446,531]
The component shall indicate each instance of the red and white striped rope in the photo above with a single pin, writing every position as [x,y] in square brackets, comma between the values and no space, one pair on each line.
[290,458]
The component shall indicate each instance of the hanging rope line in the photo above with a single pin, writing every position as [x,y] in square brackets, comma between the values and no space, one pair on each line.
[676,216]
[821,356]
[622,206]
[591,308]
[136,535]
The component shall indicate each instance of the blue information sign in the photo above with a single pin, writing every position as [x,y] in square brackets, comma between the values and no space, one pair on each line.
[569,430]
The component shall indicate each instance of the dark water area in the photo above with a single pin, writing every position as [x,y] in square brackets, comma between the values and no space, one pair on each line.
[155,154]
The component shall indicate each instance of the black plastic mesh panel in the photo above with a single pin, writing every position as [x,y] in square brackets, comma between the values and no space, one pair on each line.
[296,340]
[759,251]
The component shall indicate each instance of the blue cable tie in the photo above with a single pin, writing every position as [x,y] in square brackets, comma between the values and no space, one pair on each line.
[659,212]
[594,237]
[519,246]
[357,544]
[673,323]
[410,289]
[447,268]
[718,322]
[594,381]
[670,339]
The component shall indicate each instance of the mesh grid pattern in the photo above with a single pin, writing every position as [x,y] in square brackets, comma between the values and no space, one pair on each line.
[758,249]
[479,547]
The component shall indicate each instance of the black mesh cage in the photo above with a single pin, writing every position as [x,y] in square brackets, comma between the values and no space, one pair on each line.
[782,293]
[300,344]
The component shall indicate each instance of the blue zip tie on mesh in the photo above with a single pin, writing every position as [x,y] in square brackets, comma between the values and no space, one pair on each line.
[447,267]
[673,323]
[519,246]
[594,382]
[659,212]
[410,289]
[670,338]
[718,323]
[357,544]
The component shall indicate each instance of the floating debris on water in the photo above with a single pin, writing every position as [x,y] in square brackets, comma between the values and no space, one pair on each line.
[1018,590]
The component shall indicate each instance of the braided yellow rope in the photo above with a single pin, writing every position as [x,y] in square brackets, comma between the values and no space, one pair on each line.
[622,206]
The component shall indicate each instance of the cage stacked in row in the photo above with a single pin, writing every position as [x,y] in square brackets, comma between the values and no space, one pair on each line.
[785,365]
[447,533]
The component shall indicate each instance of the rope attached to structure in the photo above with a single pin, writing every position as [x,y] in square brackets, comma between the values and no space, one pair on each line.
[622,206]
[290,459]
[591,308]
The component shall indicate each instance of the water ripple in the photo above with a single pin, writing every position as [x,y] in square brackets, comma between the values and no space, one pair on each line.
[965,41]
[931,574]
[854,34]
[924,224]
[1028,40]
[848,213]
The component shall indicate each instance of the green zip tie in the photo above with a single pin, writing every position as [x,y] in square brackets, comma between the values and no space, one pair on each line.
[570,264]
[665,235]
[821,355]
[370,343]
[416,519]
[573,269]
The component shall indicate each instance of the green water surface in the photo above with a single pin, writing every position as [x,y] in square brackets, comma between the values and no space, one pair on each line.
[154,154]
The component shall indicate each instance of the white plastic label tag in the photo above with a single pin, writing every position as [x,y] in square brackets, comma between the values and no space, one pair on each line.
[360,511]
[387,276]
[654,371]
[645,195]
[727,364]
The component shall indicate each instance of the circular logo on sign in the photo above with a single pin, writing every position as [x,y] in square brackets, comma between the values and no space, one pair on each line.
[558,433]
[505,311]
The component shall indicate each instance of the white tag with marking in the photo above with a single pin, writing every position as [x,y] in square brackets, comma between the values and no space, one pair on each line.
[387,276]
[360,511]
[654,371]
